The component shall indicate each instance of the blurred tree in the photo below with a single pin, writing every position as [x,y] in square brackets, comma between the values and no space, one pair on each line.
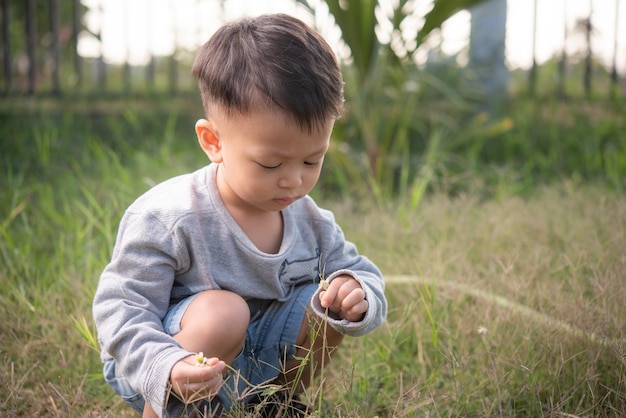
[486,51]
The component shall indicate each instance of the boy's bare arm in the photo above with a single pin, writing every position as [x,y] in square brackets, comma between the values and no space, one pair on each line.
[345,297]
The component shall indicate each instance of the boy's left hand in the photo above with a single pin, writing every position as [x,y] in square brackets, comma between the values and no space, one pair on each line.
[346,298]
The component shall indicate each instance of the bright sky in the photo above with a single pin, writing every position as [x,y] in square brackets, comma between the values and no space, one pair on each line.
[135,29]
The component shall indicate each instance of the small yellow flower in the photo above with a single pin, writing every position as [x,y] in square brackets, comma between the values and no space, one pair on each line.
[200,359]
[324,284]
[482,330]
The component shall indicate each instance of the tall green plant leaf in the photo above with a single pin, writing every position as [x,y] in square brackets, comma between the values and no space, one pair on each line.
[442,10]
[357,21]
[384,119]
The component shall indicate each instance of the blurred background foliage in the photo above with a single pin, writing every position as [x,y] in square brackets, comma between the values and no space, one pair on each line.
[400,118]
[408,127]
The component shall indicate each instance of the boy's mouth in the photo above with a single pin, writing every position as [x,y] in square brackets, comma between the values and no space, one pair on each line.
[285,200]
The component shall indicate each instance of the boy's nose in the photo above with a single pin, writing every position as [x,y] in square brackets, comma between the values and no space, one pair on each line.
[290,179]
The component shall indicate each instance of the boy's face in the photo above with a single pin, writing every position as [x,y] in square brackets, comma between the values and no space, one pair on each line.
[267,161]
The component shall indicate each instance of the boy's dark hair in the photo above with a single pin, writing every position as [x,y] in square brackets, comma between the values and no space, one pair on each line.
[271,60]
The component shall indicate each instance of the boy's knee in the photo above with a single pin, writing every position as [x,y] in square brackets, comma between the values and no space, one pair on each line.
[217,320]
[222,306]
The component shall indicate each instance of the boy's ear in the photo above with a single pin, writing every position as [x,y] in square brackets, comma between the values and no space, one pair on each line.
[209,140]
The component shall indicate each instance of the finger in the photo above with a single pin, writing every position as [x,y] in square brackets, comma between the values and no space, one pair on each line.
[347,288]
[193,379]
[213,369]
[338,288]
[357,312]
[343,299]
[351,299]
[327,297]
[215,364]
[193,391]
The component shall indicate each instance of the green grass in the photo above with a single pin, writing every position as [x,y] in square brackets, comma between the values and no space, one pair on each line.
[540,273]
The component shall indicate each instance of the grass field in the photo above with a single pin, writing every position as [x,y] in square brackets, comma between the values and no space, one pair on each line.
[502,306]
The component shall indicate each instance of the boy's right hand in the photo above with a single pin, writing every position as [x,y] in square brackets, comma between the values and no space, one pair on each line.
[192,383]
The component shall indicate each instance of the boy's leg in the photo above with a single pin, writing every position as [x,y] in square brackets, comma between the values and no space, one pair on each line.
[214,323]
[317,341]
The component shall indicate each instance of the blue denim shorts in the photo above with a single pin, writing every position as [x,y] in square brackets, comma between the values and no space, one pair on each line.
[270,341]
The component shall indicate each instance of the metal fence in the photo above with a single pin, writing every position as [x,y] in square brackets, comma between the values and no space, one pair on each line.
[40,55]
[43,49]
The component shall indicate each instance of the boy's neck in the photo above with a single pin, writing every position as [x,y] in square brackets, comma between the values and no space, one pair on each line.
[264,228]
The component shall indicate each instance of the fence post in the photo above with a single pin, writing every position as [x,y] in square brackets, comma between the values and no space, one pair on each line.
[532,77]
[151,67]
[127,70]
[76,28]
[563,60]
[6,50]
[31,34]
[173,71]
[589,56]
[614,83]
[54,46]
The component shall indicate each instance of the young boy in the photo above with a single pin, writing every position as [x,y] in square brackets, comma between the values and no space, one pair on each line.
[227,261]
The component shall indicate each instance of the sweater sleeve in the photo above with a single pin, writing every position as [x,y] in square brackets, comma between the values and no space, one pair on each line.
[342,258]
[132,298]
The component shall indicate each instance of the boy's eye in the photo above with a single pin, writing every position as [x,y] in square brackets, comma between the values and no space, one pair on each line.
[269,167]
[311,163]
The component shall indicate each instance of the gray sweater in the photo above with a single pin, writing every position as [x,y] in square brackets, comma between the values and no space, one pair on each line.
[178,239]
